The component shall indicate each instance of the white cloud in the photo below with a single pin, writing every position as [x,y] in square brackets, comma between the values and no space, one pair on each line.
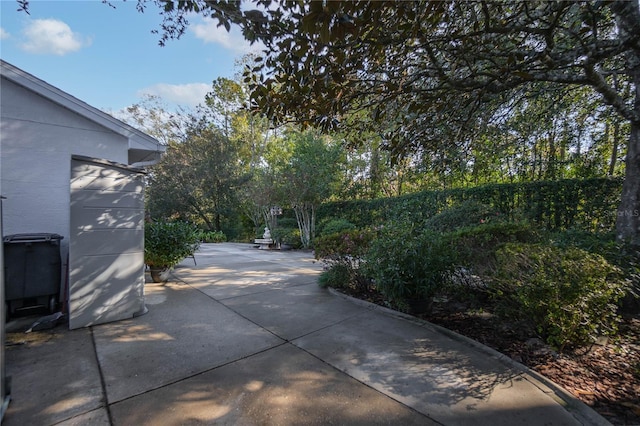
[3,34]
[232,40]
[51,36]
[189,95]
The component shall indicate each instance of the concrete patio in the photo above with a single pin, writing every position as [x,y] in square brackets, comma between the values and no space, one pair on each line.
[247,337]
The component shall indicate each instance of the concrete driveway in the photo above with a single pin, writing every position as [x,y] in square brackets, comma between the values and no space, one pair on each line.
[246,337]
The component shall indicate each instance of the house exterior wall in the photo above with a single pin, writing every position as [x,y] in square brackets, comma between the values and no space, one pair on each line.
[37,139]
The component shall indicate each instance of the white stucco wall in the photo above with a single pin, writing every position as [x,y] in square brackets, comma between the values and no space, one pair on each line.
[37,139]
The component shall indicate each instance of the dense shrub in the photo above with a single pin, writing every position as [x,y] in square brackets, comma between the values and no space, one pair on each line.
[569,295]
[467,214]
[626,257]
[287,232]
[167,243]
[287,222]
[336,275]
[334,226]
[476,246]
[604,244]
[289,236]
[600,243]
[352,243]
[342,253]
[212,237]
[588,204]
[408,264]
[544,250]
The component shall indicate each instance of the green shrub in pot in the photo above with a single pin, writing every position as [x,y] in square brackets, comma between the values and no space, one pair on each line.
[167,243]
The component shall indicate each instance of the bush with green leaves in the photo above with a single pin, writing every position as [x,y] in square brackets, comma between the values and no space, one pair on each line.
[337,275]
[569,294]
[476,246]
[604,244]
[405,263]
[335,226]
[342,253]
[352,243]
[625,256]
[167,243]
[555,205]
[286,231]
[466,214]
[212,237]
[289,236]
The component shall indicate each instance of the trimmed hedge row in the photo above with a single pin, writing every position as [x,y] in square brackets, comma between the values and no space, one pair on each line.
[587,204]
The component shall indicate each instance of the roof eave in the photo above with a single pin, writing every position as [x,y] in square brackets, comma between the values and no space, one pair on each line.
[138,140]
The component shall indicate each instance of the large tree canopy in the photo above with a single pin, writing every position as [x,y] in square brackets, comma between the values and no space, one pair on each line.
[430,70]
[372,52]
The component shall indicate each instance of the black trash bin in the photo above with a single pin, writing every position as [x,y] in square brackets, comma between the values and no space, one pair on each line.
[32,267]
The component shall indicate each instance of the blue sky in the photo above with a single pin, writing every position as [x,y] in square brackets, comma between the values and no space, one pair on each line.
[109,58]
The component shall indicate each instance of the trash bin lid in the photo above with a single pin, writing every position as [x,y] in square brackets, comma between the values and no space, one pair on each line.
[31,238]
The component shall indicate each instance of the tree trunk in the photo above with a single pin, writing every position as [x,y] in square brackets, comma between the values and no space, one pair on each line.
[374,173]
[201,214]
[614,149]
[218,222]
[551,161]
[616,134]
[305,215]
[628,219]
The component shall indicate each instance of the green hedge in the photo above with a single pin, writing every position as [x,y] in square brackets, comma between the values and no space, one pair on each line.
[587,204]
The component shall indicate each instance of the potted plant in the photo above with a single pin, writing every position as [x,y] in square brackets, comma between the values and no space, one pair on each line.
[166,244]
